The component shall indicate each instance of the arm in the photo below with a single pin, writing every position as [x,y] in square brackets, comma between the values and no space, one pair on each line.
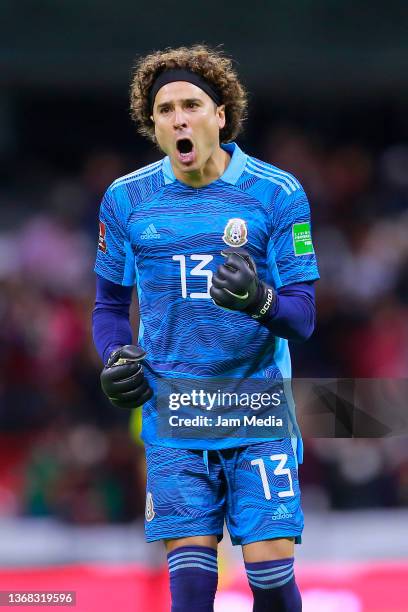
[110,317]
[122,378]
[294,313]
[288,313]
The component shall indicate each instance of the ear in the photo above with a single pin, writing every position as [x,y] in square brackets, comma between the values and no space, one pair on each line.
[151,118]
[220,112]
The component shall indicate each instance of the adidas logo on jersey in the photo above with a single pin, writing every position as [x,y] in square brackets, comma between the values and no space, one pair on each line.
[281,512]
[150,233]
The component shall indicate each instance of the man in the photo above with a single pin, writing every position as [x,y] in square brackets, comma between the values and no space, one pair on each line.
[219,244]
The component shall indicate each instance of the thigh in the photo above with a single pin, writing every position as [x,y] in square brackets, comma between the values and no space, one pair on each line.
[184,498]
[265,495]
[269,550]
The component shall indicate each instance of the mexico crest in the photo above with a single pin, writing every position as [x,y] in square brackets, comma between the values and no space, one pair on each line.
[235,233]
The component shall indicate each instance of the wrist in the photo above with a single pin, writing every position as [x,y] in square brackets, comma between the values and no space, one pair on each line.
[110,353]
[113,355]
[129,353]
[264,302]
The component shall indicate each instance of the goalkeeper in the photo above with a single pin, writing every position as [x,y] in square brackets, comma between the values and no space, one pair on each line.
[219,246]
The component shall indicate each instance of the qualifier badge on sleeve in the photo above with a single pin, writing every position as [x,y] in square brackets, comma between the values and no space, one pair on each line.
[302,239]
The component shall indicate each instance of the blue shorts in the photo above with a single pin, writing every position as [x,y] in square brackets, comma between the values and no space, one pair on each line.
[254,488]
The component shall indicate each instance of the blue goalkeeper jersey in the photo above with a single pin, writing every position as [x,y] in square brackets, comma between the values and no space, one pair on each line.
[166,237]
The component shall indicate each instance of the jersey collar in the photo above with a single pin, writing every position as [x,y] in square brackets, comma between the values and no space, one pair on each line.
[169,176]
[237,164]
[231,175]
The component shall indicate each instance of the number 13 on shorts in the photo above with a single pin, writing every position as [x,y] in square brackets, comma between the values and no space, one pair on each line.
[279,462]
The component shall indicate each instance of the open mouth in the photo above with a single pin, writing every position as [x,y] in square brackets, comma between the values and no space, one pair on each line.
[184,145]
[185,150]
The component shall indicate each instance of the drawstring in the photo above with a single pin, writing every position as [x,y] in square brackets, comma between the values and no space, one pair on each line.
[205,459]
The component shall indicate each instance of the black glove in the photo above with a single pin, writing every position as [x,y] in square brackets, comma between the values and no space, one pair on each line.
[236,286]
[122,378]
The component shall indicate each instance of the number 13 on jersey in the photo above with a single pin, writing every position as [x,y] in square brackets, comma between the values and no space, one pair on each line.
[197,270]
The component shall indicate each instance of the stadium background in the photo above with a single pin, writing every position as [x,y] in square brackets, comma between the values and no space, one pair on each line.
[328,100]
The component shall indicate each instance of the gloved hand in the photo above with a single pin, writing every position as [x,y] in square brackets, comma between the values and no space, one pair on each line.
[122,378]
[236,286]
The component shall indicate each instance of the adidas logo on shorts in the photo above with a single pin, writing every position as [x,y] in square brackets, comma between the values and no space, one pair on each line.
[150,233]
[281,512]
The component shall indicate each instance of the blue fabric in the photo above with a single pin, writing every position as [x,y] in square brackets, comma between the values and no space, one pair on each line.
[191,497]
[167,237]
[110,317]
[293,315]
[193,578]
[273,586]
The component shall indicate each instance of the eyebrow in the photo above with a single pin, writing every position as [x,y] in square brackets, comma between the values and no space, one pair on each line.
[183,100]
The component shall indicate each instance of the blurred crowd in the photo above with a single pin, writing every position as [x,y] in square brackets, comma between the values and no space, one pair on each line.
[65,452]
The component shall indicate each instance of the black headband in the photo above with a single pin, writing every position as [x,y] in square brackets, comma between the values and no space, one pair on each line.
[180,74]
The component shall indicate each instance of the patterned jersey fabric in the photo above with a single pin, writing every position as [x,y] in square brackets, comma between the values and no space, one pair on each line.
[167,237]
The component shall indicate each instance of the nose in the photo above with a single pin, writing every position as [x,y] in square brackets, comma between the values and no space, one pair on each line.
[179,119]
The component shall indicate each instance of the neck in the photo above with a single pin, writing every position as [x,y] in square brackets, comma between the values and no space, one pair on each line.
[214,167]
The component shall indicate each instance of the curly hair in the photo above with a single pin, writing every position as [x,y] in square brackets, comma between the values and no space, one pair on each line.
[210,64]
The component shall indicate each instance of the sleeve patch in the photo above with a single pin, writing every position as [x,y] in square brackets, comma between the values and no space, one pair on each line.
[102,237]
[302,239]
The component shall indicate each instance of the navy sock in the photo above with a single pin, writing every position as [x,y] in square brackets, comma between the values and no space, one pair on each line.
[273,586]
[193,578]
